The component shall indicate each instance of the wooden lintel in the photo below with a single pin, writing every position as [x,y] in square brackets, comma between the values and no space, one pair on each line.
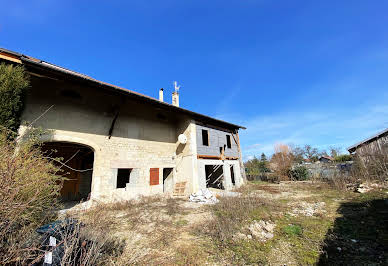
[214,157]
[209,157]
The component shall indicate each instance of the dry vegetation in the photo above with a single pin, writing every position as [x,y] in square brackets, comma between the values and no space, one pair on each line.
[28,192]
[162,231]
[154,230]
[311,222]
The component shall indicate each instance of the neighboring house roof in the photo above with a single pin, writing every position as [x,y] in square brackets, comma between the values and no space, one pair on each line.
[326,157]
[28,60]
[368,140]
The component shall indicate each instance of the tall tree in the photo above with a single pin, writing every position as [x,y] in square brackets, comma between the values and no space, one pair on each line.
[310,152]
[13,85]
[263,157]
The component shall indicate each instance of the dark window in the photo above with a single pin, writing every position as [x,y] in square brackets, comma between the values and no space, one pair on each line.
[232,175]
[123,177]
[228,141]
[205,137]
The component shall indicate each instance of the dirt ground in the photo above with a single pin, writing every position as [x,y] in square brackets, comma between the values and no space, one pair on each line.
[308,225]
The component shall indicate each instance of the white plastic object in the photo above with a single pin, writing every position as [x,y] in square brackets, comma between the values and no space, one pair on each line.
[182,139]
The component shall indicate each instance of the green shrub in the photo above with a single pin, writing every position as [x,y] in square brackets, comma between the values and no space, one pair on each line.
[13,85]
[343,158]
[293,230]
[299,173]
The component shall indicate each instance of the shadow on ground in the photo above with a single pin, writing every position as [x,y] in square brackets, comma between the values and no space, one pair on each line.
[360,236]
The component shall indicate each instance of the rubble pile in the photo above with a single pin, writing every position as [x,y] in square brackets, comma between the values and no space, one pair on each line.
[204,196]
[308,209]
[258,230]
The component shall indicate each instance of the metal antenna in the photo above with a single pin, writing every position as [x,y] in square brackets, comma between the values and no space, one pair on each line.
[176,86]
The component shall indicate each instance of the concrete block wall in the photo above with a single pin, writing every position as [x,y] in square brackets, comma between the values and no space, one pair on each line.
[227,181]
[217,139]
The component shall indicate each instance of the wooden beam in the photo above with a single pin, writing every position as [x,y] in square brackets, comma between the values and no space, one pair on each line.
[209,157]
[214,157]
[234,138]
[113,124]
[242,168]
[10,57]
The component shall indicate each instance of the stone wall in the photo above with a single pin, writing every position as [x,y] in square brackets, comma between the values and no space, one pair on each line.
[142,138]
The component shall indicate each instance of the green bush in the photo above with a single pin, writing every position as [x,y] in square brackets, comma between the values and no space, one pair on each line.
[343,158]
[299,173]
[13,85]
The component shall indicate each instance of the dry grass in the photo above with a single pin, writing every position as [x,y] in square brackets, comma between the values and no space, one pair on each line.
[298,238]
[155,230]
[161,231]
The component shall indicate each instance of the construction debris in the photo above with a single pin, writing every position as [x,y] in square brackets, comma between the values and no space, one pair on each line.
[262,230]
[223,193]
[204,196]
[258,230]
[366,187]
[308,209]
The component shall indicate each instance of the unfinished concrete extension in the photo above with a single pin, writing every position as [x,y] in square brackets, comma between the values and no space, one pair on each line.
[133,144]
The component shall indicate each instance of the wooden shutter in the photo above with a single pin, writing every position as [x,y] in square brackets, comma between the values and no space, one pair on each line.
[154,176]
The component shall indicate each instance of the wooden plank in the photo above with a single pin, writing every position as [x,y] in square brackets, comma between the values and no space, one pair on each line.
[209,157]
[215,157]
[231,158]
[10,57]
[179,189]
[242,168]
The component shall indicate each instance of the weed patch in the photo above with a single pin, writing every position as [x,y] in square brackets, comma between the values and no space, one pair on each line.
[293,230]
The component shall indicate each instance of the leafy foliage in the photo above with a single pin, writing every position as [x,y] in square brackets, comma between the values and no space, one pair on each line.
[299,173]
[256,166]
[343,158]
[13,85]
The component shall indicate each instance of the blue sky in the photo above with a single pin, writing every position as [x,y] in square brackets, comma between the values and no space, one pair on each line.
[300,72]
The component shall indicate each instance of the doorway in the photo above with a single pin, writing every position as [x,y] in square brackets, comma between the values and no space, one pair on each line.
[76,165]
[214,176]
[167,179]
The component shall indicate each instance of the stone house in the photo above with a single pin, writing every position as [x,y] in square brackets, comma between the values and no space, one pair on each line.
[119,144]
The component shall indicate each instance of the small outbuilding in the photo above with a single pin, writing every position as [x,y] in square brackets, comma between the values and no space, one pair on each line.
[375,143]
[325,159]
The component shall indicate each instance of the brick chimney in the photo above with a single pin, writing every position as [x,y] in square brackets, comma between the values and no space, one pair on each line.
[175,98]
[161,95]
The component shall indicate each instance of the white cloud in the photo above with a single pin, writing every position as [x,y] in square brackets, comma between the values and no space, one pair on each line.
[341,128]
